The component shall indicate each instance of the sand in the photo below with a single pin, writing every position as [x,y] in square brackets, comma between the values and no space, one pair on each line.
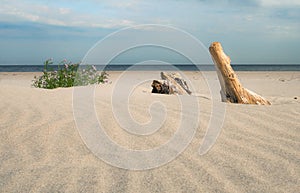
[257,150]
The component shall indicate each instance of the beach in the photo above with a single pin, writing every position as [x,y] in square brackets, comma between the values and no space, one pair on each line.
[257,149]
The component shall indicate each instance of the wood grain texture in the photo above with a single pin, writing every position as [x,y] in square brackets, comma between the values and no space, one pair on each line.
[231,88]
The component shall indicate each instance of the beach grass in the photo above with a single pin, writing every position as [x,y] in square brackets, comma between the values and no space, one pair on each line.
[68,74]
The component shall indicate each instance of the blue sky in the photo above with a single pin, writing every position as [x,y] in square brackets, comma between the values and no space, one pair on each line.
[251,31]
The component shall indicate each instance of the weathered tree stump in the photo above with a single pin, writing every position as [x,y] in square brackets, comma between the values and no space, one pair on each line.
[231,88]
[172,83]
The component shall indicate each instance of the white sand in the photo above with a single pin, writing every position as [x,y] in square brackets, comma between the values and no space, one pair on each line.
[258,149]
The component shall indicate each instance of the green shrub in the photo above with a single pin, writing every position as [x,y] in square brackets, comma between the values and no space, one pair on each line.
[68,75]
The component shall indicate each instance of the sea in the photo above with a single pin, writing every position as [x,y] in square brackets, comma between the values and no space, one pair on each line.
[183,67]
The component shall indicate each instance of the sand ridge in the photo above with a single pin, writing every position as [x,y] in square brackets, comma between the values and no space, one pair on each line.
[258,149]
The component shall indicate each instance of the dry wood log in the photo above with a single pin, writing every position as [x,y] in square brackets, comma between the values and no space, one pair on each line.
[231,88]
[177,81]
[172,83]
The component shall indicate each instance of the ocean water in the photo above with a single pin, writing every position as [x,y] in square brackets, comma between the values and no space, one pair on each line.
[183,67]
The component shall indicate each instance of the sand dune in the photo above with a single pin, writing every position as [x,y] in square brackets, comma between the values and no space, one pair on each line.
[258,149]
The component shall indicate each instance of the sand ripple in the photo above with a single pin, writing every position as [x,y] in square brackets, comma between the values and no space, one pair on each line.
[258,149]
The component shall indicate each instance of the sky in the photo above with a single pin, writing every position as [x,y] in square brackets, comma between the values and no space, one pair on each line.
[251,31]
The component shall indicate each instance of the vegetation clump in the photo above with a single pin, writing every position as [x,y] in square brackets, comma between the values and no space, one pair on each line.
[68,74]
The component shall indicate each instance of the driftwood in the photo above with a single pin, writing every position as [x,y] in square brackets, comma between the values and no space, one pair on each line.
[231,88]
[172,83]
[161,87]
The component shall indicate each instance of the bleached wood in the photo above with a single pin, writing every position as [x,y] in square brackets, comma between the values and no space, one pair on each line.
[172,83]
[231,88]
[178,84]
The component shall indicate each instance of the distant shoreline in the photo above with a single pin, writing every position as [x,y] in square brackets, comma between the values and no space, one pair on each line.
[185,67]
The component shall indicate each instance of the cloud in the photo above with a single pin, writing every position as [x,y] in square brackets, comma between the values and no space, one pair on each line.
[64,11]
[277,3]
[256,3]
[209,16]
[235,22]
[124,4]
[232,2]
[56,14]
